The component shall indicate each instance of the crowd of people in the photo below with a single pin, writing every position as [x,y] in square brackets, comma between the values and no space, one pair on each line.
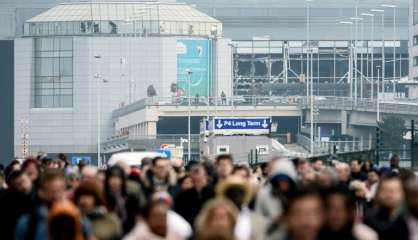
[213,199]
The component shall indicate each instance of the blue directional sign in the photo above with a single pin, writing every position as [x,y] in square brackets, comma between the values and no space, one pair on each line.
[250,125]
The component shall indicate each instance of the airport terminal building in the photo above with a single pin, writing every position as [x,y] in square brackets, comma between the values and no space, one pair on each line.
[76,63]
[71,55]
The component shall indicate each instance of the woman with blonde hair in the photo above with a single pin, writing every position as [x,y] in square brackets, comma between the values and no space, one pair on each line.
[217,214]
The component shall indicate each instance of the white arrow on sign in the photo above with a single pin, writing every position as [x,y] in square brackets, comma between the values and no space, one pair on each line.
[264,125]
[219,124]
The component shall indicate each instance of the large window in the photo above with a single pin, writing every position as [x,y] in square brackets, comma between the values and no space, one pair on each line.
[53,86]
[415,10]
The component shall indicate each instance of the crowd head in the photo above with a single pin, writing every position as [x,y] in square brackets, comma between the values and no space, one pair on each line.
[302,199]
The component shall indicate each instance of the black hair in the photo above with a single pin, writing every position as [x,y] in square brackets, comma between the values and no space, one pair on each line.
[224,156]
[300,193]
[156,159]
[349,200]
[14,175]
[241,167]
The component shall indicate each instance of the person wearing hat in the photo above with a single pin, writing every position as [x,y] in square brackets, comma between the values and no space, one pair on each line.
[272,198]
[250,225]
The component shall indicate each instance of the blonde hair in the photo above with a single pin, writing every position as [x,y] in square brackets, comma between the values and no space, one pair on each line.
[201,222]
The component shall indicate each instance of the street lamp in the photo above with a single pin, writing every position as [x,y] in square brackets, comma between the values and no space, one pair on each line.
[378,97]
[98,78]
[350,60]
[309,68]
[372,61]
[382,12]
[189,73]
[355,19]
[394,40]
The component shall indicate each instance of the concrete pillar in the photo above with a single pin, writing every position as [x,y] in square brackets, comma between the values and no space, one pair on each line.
[344,122]
[151,128]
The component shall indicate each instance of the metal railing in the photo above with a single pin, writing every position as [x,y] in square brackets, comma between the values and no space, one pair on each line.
[327,147]
[236,101]
[401,106]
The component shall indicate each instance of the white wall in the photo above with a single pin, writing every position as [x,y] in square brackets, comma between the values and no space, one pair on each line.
[74,130]
[223,67]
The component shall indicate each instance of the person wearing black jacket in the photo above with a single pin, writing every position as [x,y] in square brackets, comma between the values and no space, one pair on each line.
[189,203]
[17,200]
[386,217]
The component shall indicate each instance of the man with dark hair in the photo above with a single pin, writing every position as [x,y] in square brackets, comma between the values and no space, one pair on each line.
[34,225]
[224,165]
[62,160]
[303,217]
[189,203]
[18,199]
[387,212]
[356,173]
[395,161]
[159,177]
[241,171]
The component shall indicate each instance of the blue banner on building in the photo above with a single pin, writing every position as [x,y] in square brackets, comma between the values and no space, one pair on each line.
[193,55]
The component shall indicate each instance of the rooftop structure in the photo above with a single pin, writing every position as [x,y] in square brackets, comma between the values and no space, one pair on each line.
[116,18]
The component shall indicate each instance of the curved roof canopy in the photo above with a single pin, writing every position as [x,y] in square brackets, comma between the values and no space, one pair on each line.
[143,18]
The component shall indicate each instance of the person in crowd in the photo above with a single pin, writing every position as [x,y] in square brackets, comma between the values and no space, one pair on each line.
[64,222]
[50,163]
[119,199]
[308,177]
[340,217]
[301,165]
[241,171]
[91,201]
[250,225]
[224,164]
[358,190]
[387,211]
[3,185]
[216,234]
[160,177]
[372,183]
[88,173]
[154,224]
[101,178]
[303,218]
[272,198]
[62,160]
[13,166]
[185,183]
[408,228]
[343,170]
[34,225]
[258,175]
[367,166]
[317,165]
[395,161]
[189,203]
[218,214]
[17,200]
[327,177]
[32,168]
[356,172]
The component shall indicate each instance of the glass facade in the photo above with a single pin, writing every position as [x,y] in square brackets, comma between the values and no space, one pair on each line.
[128,19]
[53,82]
[415,12]
[259,64]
